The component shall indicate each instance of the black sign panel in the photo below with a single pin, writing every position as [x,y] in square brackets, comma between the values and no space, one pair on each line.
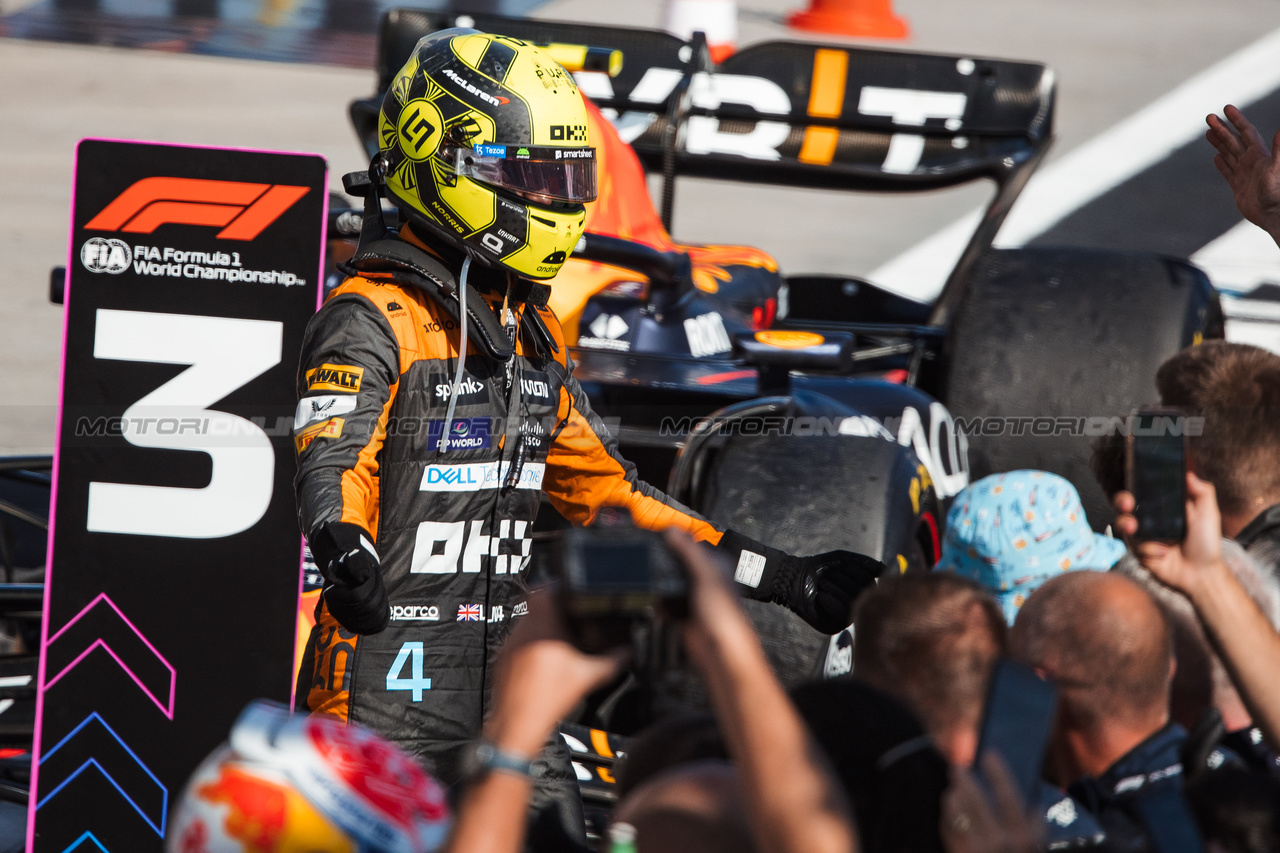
[176,559]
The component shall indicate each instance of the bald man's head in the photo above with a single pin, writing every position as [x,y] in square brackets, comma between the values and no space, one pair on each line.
[695,808]
[1103,640]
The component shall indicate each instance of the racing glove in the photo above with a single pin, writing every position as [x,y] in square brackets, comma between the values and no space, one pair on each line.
[353,589]
[820,589]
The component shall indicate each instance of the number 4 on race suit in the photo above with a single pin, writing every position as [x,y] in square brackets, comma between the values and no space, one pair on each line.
[410,653]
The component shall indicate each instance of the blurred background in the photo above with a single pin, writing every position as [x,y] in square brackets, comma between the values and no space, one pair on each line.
[1130,168]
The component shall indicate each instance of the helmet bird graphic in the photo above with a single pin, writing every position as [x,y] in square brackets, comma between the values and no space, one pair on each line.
[485,143]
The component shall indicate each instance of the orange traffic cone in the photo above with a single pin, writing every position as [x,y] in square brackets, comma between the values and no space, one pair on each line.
[717,18]
[874,18]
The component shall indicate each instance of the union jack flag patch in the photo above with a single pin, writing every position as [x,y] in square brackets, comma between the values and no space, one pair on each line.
[470,613]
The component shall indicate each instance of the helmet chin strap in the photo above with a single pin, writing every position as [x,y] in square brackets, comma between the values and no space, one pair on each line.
[462,354]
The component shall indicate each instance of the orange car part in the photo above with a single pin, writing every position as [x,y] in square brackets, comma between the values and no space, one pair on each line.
[623,209]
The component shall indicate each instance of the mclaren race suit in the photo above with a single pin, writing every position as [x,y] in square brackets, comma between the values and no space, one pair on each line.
[452,528]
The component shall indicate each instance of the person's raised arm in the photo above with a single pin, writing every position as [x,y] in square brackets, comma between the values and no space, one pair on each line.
[541,677]
[1252,171]
[1247,643]
[796,804]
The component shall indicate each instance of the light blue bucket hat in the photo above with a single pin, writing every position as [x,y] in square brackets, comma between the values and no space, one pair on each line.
[1012,532]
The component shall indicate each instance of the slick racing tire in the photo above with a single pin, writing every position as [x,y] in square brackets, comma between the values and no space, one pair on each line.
[810,494]
[1047,343]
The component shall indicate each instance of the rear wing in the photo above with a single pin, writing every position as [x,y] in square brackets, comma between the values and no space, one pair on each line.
[791,113]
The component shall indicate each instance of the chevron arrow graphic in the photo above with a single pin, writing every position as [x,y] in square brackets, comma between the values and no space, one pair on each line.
[120,766]
[88,836]
[109,606]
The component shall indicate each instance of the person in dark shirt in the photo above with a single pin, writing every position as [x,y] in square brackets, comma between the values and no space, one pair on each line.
[1106,645]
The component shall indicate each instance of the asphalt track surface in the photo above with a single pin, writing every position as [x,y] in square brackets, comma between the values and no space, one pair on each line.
[1129,169]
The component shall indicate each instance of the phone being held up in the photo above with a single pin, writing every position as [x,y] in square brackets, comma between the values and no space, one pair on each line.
[1016,724]
[1156,473]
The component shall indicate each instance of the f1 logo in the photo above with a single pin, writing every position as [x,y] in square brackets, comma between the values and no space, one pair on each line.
[242,210]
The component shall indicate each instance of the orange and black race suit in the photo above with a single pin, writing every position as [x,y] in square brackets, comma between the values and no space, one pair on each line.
[452,527]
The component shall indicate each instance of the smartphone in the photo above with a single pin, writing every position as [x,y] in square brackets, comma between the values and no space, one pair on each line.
[1016,724]
[1156,473]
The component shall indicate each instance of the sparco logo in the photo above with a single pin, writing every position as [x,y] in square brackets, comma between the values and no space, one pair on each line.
[484,96]
[468,387]
[101,254]
[242,210]
[415,613]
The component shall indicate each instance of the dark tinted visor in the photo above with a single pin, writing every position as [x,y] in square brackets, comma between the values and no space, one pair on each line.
[564,174]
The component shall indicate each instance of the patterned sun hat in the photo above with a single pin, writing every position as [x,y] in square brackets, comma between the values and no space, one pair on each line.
[1012,532]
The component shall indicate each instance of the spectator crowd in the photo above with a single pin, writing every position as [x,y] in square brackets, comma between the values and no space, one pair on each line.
[1163,659]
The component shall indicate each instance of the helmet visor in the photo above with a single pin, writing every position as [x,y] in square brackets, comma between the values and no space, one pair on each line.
[564,174]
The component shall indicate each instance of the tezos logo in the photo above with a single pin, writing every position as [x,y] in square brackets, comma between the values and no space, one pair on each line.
[101,254]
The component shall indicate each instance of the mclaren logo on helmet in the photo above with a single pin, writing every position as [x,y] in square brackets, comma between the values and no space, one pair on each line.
[496,101]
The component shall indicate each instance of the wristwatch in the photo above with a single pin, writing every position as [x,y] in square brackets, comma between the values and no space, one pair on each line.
[487,758]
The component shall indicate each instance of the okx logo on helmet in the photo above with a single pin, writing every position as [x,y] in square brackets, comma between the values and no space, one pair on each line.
[486,144]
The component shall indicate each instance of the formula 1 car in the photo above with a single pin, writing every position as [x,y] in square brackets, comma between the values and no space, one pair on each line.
[812,412]
[820,412]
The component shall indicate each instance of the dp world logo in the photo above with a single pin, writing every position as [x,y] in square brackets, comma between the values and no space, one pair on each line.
[102,254]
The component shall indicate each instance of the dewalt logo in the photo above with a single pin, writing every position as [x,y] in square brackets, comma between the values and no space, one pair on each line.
[241,210]
[335,377]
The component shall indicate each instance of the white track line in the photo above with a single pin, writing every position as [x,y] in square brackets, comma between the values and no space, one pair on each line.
[1066,184]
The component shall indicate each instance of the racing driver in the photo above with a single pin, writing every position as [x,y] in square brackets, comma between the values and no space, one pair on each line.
[438,402]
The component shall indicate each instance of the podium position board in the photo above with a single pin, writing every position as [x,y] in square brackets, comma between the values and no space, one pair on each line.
[175,556]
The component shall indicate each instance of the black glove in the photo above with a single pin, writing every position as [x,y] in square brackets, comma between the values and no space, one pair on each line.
[820,589]
[353,589]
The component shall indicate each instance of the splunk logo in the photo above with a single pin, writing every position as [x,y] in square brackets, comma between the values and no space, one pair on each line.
[470,390]
[242,210]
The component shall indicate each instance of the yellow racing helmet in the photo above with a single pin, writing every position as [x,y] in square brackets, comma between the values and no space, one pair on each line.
[484,141]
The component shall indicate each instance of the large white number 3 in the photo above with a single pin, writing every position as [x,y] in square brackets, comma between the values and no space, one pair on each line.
[224,354]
